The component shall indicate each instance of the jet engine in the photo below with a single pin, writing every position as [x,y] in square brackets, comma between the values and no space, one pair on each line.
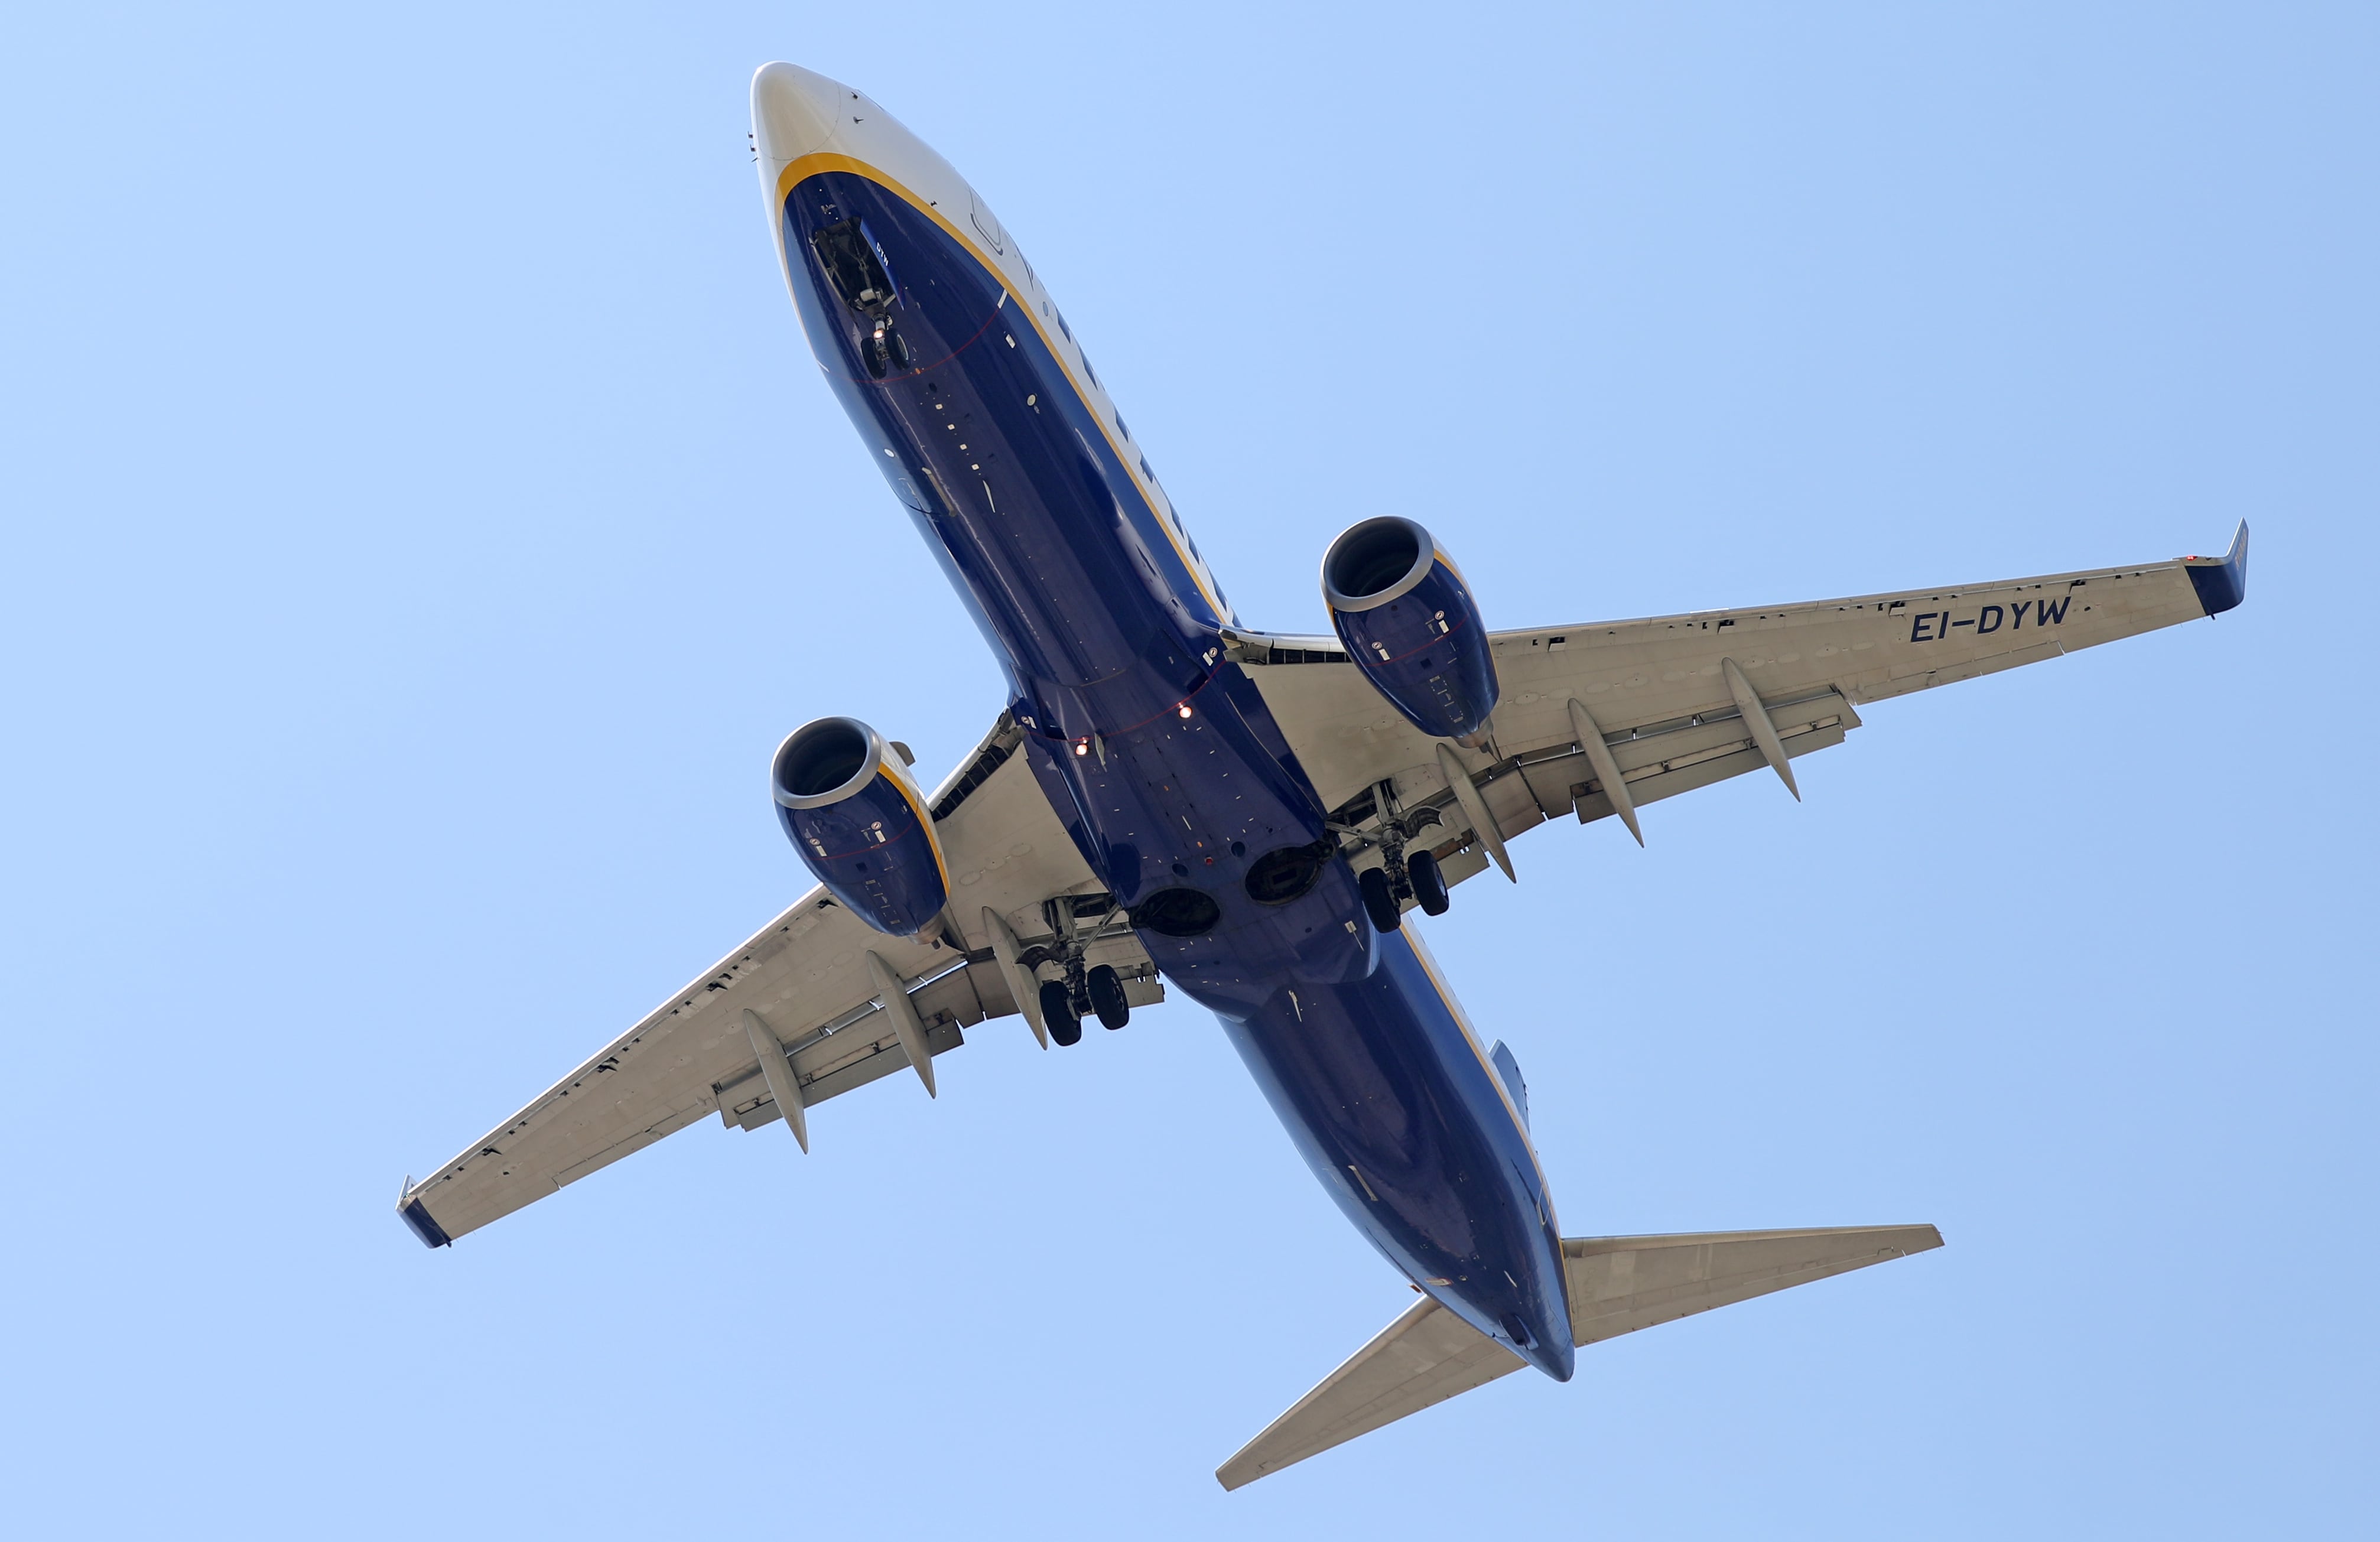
[860,823]
[1410,623]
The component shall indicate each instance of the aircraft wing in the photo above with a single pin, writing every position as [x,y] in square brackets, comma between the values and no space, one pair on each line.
[807,977]
[1667,695]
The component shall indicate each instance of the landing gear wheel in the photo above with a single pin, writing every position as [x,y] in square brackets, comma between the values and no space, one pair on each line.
[1379,900]
[898,348]
[1107,997]
[871,353]
[1058,1014]
[1428,883]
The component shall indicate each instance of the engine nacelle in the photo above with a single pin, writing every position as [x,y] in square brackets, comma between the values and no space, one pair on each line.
[1409,622]
[861,825]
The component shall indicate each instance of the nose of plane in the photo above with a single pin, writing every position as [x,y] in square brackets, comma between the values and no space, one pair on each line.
[794,111]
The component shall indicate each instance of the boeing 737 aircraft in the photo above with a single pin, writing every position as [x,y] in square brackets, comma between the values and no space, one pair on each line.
[1172,800]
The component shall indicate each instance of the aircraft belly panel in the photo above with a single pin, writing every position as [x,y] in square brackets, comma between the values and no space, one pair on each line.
[1392,1106]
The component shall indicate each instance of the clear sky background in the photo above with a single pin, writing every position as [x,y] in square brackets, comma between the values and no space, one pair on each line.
[422,519]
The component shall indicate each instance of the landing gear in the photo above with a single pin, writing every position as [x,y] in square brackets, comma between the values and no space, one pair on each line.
[1428,883]
[1096,989]
[885,350]
[1399,877]
[1058,1013]
[1379,900]
[1106,991]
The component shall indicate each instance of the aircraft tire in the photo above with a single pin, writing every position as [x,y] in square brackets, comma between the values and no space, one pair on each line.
[1107,997]
[1058,1014]
[1428,883]
[1379,900]
[898,346]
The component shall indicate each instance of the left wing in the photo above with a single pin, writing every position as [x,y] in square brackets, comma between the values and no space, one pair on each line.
[807,977]
[1668,696]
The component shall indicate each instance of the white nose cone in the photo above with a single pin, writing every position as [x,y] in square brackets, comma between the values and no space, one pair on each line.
[794,114]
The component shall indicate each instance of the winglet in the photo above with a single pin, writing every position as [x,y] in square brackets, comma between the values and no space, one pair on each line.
[2221,582]
[416,1215]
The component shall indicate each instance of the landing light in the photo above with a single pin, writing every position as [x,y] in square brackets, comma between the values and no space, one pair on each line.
[1082,746]
[1184,708]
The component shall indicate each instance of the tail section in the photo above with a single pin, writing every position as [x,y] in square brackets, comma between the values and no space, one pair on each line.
[1617,1285]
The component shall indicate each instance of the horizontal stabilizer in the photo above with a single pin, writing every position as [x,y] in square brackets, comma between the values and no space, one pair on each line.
[1617,1285]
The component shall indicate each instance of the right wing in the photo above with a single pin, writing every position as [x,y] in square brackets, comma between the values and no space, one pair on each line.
[1659,691]
[806,975]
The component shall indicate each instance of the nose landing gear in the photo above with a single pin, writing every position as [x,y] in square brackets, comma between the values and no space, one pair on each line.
[885,350]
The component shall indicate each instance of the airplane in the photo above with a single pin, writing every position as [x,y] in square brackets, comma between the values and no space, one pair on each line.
[1173,800]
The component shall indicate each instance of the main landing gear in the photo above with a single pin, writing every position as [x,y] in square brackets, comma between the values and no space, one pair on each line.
[1058,1012]
[1106,991]
[1102,993]
[1428,883]
[1401,876]
[1097,990]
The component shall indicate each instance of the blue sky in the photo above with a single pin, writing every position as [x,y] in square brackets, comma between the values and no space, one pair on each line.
[421,521]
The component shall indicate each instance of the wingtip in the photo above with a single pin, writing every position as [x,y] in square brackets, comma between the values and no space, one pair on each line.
[2221,582]
[416,1215]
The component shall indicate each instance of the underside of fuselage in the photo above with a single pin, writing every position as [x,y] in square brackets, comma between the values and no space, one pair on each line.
[1157,753]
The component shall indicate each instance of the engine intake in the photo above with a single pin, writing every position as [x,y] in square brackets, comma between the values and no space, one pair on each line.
[1409,622]
[860,823]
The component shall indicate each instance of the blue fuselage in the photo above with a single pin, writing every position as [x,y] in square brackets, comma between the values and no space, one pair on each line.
[1160,757]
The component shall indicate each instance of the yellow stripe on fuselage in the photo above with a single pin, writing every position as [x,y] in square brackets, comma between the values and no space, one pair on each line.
[826,161]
